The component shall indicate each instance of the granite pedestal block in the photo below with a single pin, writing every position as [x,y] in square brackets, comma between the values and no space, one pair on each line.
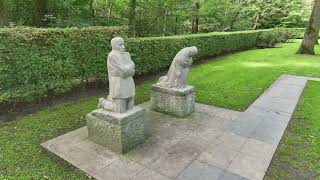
[118,132]
[177,102]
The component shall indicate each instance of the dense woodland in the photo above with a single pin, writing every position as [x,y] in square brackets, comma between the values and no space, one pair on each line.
[157,17]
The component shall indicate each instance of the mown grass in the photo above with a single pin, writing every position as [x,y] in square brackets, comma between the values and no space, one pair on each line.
[233,82]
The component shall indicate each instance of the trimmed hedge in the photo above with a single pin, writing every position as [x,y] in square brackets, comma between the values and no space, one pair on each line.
[152,54]
[35,63]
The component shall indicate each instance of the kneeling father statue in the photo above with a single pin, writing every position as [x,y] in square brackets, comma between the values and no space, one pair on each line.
[121,84]
[117,123]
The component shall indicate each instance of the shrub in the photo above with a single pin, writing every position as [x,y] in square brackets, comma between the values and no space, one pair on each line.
[152,54]
[271,37]
[35,63]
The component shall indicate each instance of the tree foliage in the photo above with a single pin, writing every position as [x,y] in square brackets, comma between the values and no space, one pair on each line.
[156,17]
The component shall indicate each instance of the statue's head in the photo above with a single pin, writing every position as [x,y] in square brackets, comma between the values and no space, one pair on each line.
[193,51]
[117,44]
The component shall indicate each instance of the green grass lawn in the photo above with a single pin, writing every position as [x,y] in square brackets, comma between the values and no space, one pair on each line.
[233,82]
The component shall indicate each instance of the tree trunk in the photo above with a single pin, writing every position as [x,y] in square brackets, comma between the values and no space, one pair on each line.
[132,17]
[176,26]
[110,6]
[256,21]
[312,32]
[165,16]
[3,14]
[196,18]
[93,13]
[41,9]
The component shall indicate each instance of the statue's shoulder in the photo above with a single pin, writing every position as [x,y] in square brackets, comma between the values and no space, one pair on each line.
[127,54]
[113,55]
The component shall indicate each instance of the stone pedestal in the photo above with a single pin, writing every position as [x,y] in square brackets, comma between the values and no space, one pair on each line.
[177,102]
[118,132]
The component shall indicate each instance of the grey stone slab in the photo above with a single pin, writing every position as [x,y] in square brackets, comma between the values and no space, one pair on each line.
[218,157]
[148,174]
[250,167]
[90,162]
[313,79]
[62,150]
[276,104]
[246,124]
[231,176]
[258,148]
[216,111]
[177,158]
[270,131]
[68,138]
[204,137]
[269,114]
[121,169]
[118,132]
[173,91]
[293,80]
[177,102]
[149,152]
[284,92]
[232,141]
[222,152]
[169,134]
[197,170]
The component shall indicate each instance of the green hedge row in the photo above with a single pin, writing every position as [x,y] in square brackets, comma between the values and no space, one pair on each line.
[152,54]
[35,63]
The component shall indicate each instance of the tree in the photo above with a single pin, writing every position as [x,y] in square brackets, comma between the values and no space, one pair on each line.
[312,32]
[132,17]
[196,18]
[41,9]
[3,14]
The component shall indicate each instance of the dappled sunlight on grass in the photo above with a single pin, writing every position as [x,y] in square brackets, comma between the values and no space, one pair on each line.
[256,64]
[236,80]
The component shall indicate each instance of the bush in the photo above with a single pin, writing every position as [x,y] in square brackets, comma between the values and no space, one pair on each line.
[271,37]
[152,54]
[35,63]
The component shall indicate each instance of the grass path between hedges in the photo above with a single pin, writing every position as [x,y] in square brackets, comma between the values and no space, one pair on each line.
[232,81]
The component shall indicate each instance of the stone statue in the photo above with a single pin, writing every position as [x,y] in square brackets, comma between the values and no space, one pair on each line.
[178,73]
[121,84]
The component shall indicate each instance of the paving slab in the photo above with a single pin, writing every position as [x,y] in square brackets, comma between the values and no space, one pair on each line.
[148,174]
[177,158]
[197,170]
[121,169]
[212,143]
[248,166]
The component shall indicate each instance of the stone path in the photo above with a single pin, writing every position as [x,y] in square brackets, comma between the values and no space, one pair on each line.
[212,143]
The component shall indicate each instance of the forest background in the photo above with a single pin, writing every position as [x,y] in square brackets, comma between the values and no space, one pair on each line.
[157,17]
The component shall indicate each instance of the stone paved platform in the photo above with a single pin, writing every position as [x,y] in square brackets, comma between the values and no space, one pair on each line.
[212,143]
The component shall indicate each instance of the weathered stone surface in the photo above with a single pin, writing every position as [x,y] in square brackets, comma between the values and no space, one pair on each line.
[190,148]
[121,70]
[178,72]
[248,166]
[177,102]
[121,169]
[119,132]
[201,171]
